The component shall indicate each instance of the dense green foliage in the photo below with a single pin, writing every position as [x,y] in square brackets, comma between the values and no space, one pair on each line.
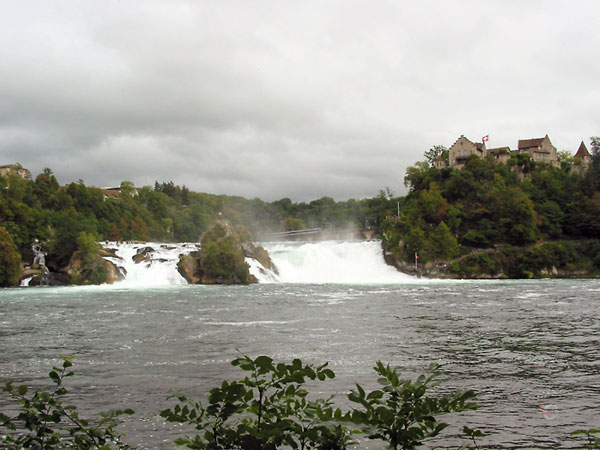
[452,212]
[10,260]
[270,408]
[87,264]
[402,413]
[565,258]
[267,409]
[222,257]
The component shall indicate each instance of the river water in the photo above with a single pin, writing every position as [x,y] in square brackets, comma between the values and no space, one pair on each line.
[531,349]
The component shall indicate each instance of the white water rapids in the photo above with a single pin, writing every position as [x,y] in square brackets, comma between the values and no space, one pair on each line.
[158,269]
[330,262]
[295,262]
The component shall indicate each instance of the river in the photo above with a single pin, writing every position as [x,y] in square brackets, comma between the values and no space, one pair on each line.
[531,349]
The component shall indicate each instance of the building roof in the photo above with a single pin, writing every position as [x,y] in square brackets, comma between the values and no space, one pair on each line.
[529,143]
[441,158]
[111,192]
[499,151]
[480,146]
[16,169]
[582,152]
[525,144]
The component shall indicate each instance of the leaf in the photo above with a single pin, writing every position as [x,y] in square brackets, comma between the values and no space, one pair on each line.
[329,373]
[375,395]
[22,390]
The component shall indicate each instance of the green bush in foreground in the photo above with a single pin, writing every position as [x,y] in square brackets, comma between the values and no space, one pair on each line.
[269,408]
[592,440]
[402,413]
[45,422]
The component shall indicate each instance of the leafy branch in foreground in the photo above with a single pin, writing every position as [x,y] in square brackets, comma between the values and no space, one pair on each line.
[401,413]
[593,441]
[268,409]
[44,422]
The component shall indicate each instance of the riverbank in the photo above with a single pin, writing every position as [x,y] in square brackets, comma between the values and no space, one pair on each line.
[549,259]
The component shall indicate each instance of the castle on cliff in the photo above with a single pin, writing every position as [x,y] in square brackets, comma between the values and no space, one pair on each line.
[538,149]
[15,169]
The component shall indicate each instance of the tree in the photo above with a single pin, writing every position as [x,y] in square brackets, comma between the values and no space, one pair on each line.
[10,260]
[432,204]
[267,409]
[402,412]
[435,152]
[46,187]
[418,176]
[592,176]
[518,217]
[292,224]
[443,244]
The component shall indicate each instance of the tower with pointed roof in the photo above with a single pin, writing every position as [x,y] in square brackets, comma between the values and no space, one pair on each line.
[583,154]
[583,158]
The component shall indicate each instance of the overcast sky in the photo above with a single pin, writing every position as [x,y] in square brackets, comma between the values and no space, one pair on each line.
[298,99]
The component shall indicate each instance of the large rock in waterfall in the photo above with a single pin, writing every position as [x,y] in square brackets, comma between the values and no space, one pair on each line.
[92,269]
[189,267]
[221,259]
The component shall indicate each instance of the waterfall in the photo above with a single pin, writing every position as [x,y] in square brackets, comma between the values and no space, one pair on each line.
[156,262]
[359,262]
[350,262]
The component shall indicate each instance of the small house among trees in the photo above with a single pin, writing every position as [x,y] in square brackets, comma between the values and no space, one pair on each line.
[15,169]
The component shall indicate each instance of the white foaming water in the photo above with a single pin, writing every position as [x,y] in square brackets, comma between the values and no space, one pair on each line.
[351,262]
[159,269]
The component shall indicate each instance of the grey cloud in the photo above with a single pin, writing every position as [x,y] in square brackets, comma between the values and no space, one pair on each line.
[273,99]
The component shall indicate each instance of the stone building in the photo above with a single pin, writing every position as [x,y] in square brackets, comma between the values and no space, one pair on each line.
[462,149]
[15,169]
[539,150]
[440,162]
[500,154]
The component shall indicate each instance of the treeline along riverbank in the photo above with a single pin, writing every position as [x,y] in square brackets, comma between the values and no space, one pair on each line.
[519,219]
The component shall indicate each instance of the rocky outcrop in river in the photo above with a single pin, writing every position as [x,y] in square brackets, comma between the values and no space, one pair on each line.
[222,257]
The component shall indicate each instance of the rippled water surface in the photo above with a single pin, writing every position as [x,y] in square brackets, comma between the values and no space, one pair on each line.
[531,349]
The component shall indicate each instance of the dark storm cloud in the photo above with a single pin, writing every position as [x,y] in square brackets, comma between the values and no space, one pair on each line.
[280,99]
